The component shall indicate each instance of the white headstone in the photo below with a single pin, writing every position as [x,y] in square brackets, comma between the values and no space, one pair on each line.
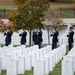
[56,55]
[33,58]
[51,61]
[0,64]
[67,67]
[37,54]
[39,67]
[41,52]
[47,64]
[21,65]
[1,52]
[44,51]
[49,48]
[23,47]
[36,47]
[28,62]
[12,67]
[54,58]
[72,56]
[5,61]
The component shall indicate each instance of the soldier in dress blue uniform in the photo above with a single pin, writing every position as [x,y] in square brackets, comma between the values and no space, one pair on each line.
[55,34]
[23,35]
[34,37]
[37,37]
[70,38]
[8,34]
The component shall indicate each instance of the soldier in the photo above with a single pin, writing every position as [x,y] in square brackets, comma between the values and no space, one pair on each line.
[23,35]
[37,37]
[8,34]
[34,37]
[70,38]
[55,34]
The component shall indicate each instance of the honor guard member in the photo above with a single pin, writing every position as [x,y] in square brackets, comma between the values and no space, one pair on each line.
[34,37]
[55,34]
[8,35]
[70,38]
[23,35]
[37,37]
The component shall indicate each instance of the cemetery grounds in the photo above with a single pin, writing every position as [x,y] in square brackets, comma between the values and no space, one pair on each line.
[57,69]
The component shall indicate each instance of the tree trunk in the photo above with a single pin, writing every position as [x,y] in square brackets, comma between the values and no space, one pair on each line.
[52,0]
[30,37]
[48,37]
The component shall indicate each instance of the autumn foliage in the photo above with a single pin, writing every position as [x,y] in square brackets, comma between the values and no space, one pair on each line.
[4,25]
[28,14]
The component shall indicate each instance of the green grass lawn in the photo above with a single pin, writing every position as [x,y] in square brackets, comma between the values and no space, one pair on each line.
[56,71]
[7,5]
[67,14]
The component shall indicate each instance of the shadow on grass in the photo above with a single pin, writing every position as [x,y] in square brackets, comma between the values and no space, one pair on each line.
[3,72]
[57,70]
[28,72]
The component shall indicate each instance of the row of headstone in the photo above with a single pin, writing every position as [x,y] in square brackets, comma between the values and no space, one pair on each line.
[20,55]
[68,63]
[47,62]
[30,57]
[0,64]
[21,59]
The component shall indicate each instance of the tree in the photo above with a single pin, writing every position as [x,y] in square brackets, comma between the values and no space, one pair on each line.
[52,19]
[4,25]
[29,14]
[1,25]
